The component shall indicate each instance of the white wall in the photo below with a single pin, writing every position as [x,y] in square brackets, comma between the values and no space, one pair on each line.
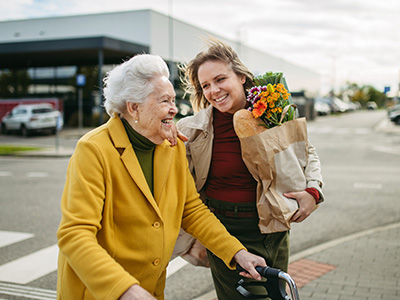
[133,26]
[150,28]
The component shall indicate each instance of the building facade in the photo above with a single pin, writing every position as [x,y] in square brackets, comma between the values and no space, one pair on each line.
[49,52]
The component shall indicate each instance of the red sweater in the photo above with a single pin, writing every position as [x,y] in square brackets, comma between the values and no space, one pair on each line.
[228,179]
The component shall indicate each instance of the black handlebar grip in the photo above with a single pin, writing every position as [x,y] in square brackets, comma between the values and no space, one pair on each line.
[265,272]
[259,269]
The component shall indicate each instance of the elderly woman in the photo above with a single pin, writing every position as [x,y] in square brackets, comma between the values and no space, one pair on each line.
[128,193]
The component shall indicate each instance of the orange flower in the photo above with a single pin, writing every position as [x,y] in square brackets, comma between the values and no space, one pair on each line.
[259,109]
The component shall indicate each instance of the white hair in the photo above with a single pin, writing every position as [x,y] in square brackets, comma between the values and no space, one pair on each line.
[132,81]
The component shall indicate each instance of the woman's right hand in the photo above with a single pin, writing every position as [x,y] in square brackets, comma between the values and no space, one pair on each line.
[175,134]
[136,292]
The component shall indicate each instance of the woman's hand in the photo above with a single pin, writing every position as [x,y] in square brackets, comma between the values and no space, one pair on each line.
[249,261]
[174,134]
[136,292]
[306,205]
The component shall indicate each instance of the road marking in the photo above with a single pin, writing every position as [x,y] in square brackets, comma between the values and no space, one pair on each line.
[362,185]
[175,265]
[30,267]
[5,173]
[37,174]
[27,292]
[386,150]
[9,237]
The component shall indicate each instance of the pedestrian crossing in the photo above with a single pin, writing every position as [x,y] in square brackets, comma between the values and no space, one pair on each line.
[27,292]
[9,237]
[28,174]
[30,267]
[16,274]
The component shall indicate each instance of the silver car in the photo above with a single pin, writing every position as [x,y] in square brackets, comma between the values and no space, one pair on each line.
[28,118]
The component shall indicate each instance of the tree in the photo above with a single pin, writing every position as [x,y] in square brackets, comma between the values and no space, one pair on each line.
[363,94]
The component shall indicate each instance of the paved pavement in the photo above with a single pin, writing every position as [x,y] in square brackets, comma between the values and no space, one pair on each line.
[362,266]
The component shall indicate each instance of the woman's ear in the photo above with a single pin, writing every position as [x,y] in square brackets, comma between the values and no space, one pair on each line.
[131,107]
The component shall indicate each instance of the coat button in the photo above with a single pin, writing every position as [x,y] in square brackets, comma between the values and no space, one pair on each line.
[156,262]
[156,224]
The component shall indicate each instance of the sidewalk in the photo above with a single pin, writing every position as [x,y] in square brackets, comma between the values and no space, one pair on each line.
[363,266]
[60,151]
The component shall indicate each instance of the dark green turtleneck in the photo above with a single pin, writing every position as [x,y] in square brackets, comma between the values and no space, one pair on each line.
[144,150]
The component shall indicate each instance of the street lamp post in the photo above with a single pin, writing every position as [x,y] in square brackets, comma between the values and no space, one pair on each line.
[171,42]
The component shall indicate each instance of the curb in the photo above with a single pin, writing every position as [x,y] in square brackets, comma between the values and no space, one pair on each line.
[338,241]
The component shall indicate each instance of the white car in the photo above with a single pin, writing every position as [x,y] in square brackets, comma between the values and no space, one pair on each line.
[28,118]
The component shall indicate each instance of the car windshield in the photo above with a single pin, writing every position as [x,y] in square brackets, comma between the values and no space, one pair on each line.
[42,110]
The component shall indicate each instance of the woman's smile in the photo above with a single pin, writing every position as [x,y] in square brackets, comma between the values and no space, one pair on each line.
[222,87]
[167,122]
[221,98]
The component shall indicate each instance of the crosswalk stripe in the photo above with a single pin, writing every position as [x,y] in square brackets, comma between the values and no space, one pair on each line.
[175,265]
[38,264]
[10,237]
[5,173]
[27,292]
[30,267]
[37,174]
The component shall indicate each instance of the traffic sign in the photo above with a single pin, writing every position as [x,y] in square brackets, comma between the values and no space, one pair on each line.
[80,80]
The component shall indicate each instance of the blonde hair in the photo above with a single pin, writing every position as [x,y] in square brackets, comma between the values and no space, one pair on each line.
[216,51]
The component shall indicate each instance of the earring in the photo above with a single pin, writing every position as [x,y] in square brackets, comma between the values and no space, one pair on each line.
[136,121]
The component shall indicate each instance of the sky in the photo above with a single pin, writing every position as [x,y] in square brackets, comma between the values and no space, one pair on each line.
[356,41]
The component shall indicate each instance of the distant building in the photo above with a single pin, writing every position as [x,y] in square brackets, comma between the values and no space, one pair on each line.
[49,52]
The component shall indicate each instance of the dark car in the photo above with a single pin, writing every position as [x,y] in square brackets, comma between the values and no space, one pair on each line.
[394,114]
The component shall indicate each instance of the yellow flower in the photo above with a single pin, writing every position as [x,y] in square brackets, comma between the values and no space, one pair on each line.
[270,88]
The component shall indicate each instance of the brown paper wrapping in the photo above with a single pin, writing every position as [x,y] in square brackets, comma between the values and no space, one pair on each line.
[276,158]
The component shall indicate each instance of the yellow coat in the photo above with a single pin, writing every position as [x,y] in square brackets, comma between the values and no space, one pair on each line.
[113,232]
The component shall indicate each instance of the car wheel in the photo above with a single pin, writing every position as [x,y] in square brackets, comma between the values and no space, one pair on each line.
[24,131]
[397,120]
[4,129]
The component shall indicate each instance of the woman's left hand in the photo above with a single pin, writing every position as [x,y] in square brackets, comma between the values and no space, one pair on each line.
[306,205]
[249,262]
[175,134]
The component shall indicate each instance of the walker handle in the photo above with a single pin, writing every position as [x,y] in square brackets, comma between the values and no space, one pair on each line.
[275,284]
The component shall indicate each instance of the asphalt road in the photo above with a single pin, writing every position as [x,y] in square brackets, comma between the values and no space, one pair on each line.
[360,156]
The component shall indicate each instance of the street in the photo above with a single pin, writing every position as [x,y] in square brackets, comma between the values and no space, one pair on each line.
[360,158]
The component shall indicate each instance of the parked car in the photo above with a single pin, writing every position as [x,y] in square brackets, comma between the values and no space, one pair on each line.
[394,114]
[29,118]
[321,108]
[371,105]
[336,105]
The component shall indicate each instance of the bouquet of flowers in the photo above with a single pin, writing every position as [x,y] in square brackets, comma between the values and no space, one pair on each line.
[269,98]
[274,148]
